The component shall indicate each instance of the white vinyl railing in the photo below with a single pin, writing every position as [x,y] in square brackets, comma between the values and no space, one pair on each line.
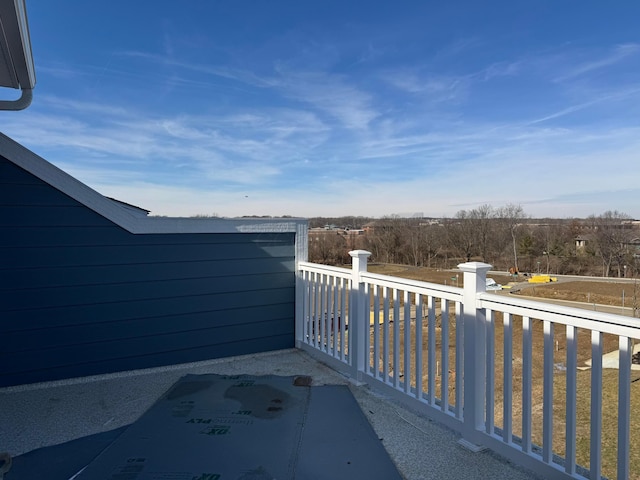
[524,378]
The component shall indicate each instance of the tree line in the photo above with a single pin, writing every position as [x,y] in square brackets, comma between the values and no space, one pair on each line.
[505,237]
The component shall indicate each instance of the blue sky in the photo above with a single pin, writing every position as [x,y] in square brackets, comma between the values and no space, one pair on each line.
[328,108]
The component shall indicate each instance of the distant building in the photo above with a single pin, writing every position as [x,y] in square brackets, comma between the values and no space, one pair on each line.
[581,242]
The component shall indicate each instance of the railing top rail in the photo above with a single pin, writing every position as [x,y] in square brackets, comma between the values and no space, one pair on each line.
[581,318]
[326,269]
[416,286]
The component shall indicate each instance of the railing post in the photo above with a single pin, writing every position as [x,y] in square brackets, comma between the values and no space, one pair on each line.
[474,375]
[302,252]
[357,322]
[299,307]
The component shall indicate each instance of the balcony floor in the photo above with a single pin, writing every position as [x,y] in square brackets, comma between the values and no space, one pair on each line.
[39,415]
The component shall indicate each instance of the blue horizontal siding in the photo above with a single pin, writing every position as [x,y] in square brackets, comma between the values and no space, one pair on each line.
[81,296]
[45,277]
[26,318]
[136,254]
[38,194]
[28,299]
[100,350]
[61,336]
[11,174]
[59,215]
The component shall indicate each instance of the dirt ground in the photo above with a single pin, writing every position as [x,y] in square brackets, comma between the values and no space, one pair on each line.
[589,291]
[602,293]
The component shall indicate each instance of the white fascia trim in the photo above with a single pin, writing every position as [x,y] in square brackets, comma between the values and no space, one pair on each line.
[57,178]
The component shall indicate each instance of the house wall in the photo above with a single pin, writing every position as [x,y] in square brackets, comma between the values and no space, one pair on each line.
[79,295]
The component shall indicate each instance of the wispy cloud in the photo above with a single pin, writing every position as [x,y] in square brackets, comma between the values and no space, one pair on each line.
[228,72]
[437,86]
[370,53]
[616,55]
[499,69]
[459,46]
[58,70]
[213,172]
[603,98]
[241,148]
[329,93]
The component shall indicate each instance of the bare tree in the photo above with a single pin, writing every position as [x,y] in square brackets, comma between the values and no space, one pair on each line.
[552,241]
[328,248]
[461,234]
[512,217]
[635,300]
[411,236]
[499,236]
[610,235]
[482,219]
[529,247]
[387,240]
[433,237]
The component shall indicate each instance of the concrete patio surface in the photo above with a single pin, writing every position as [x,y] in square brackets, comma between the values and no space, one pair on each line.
[39,415]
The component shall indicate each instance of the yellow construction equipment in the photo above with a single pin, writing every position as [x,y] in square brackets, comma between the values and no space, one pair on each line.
[542,279]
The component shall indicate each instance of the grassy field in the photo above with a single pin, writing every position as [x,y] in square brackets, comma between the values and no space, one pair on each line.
[605,293]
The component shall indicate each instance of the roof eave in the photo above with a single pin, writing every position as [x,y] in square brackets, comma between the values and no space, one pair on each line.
[17,69]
